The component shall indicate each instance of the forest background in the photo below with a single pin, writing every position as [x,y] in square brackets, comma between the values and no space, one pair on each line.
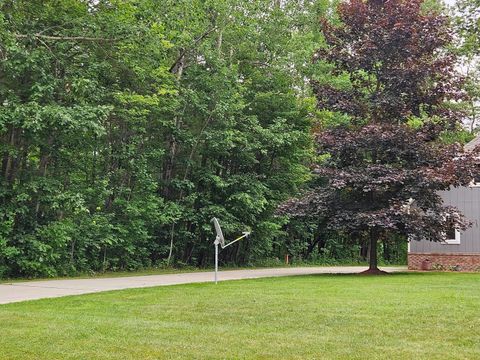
[126,126]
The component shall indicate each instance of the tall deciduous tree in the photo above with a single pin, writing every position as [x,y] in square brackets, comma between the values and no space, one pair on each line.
[400,79]
[467,14]
[126,125]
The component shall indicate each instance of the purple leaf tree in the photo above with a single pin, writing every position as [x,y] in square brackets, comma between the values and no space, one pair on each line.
[383,170]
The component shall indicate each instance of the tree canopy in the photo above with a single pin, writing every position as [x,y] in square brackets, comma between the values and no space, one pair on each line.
[125,126]
[400,81]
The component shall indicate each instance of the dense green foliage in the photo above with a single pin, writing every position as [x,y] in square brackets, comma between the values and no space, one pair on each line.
[467,20]
[301,317]
[126,125]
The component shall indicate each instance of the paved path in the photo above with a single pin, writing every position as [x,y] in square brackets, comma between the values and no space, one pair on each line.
[30,290]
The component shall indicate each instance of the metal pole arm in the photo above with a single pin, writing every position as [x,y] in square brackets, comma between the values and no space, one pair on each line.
[245,234]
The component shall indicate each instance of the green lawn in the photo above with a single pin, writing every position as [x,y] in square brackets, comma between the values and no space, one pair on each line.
[402,316]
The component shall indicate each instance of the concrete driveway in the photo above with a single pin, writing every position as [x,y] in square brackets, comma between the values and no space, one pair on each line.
[31,290]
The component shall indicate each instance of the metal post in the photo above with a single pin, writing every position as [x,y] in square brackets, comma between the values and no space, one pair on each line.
[216,261]
[220,240]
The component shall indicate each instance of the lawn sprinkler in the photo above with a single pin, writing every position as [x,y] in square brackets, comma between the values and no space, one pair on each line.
[220,240]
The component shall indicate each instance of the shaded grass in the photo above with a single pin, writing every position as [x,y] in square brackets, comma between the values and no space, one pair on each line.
[402,316]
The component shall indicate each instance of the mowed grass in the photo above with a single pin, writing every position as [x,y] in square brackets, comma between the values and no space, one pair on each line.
[401,316]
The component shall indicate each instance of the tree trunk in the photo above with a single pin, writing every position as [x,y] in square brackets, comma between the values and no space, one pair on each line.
[311,246]
[7,160]
[372,256]
[386,250]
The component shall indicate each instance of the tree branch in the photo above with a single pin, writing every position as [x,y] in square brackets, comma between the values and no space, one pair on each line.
[65,38]
[185,51]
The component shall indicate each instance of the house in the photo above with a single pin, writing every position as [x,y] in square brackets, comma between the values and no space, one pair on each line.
[461,250]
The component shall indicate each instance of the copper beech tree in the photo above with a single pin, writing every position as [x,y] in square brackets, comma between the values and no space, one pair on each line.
[381,174]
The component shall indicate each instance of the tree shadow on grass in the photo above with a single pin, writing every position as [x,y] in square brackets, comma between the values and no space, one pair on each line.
[393,274]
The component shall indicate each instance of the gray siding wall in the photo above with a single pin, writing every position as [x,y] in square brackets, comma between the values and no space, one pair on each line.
[467,200]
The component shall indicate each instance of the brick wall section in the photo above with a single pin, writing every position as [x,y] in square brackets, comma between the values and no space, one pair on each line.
[449,262]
